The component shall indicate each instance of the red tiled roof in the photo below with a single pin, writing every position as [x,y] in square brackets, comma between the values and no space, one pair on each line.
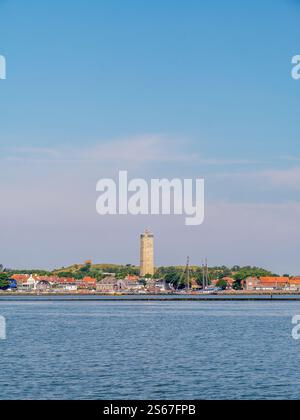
[20,278]
[89,280]
[274,280]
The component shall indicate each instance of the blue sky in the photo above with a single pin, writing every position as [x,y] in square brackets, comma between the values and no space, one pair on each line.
[200,88]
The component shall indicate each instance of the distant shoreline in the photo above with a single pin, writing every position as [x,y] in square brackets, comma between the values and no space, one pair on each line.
[194,295]
[240,296]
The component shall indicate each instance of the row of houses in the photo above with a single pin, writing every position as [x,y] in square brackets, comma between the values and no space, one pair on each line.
[264,283]
[109,284]
[261,283]
[272,283]
[44,283]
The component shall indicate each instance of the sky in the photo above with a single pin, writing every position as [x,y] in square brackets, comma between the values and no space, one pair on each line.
[162,89]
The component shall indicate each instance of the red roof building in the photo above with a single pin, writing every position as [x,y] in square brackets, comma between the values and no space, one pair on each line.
[267,283]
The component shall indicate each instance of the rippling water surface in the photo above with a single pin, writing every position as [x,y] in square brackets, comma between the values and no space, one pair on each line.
[149,350]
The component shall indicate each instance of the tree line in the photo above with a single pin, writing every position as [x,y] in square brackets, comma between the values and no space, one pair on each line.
[173,275]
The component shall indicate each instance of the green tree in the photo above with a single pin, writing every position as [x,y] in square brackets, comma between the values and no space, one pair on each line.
[85,269]
[222,284]
[65,274]
[174,276]
[4,280]
[248,271]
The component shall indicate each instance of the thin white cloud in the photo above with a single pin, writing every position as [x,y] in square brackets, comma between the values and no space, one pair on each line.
[153,148]
[33,153]
[288,179]
[146,148]
[290,158]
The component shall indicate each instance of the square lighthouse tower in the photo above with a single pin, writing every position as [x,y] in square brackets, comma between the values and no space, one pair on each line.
[147,254]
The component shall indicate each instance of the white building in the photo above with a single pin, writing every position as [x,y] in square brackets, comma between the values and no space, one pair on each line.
[31,284]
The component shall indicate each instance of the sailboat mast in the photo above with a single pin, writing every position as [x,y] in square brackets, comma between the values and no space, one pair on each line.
[188,274]
[206,272]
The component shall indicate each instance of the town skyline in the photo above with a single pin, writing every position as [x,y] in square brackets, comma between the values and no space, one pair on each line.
[87,278]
